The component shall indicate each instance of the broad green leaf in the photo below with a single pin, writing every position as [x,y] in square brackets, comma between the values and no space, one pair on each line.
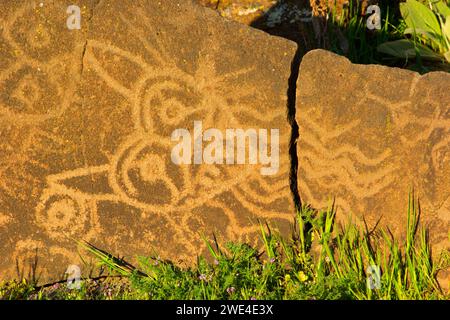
[400,49]
[419,16]
[442,8]
[436,38]
[406,49]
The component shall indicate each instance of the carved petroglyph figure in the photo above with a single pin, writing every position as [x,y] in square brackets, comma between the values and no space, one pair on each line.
[86,121]
[384,136]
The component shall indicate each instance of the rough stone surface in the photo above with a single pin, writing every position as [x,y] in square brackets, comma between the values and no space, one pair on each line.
[371,134]
[86,118]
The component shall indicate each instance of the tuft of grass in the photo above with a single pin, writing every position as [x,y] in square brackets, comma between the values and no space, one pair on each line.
[407,269]
[321,260]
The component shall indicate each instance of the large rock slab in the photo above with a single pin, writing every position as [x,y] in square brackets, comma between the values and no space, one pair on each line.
[91,122]
[371,134]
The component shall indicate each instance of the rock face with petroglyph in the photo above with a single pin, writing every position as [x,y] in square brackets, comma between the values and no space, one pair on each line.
[89,120]
[371,134]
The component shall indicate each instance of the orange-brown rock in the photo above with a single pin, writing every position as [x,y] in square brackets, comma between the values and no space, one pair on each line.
[88,126]
[371,134]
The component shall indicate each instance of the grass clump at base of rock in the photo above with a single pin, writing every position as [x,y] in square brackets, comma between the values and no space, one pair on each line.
[320,261]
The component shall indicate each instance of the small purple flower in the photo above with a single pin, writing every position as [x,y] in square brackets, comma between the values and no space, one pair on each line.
[231,290]
[202,277]
[156,263]
[252,298]
[272,260]
[216,262]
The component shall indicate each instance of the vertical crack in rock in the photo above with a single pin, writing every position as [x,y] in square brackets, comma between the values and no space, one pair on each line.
[87,29]
[83,53]
[291,104]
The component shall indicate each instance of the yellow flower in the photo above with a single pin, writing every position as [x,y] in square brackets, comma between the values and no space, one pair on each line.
[287,278]
[302,276]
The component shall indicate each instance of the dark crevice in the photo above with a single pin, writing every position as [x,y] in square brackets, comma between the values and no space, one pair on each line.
[294,33]
[291,105]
